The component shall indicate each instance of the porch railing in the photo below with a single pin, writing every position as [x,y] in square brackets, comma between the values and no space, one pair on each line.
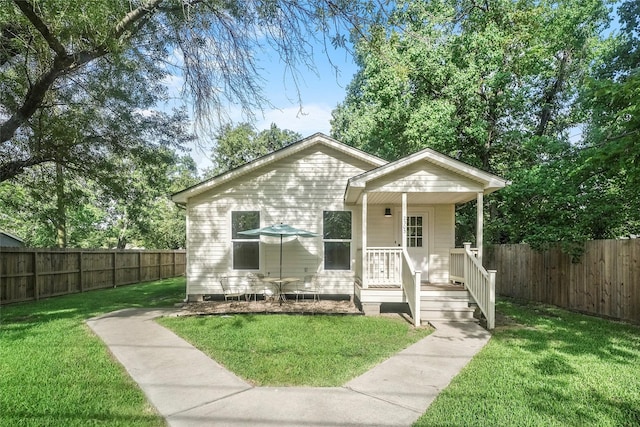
[393,267]
[383,267]
[480,283]
[456,265]
[412,281]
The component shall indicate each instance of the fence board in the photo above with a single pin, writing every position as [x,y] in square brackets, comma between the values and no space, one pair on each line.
[29,274]
[605,281]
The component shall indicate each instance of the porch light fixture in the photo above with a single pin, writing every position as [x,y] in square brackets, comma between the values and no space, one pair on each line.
[387,212]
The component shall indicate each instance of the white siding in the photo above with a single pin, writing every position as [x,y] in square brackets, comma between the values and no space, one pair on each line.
[443,240]
[294,190]
[423,177]
[381,230]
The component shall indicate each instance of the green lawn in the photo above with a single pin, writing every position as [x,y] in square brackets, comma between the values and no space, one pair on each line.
[292,350]
[548,367]
[55,372]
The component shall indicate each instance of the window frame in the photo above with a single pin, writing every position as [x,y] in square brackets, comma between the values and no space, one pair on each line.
[244,240]
[349,241]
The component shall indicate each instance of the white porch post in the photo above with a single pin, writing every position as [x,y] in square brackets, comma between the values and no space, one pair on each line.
[480,224]
[403,224]
[365,267]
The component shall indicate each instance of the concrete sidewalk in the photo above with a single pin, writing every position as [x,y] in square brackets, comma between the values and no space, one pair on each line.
[190,389]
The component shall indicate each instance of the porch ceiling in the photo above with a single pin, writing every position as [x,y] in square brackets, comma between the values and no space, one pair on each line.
[389,198]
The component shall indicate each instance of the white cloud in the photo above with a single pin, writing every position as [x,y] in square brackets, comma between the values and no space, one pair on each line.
[310,119]
[174,84]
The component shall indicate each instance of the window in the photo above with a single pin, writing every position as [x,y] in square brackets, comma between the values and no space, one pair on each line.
[414,231]
[336,226]
[246,249]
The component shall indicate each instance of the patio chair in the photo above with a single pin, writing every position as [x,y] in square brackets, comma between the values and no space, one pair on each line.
[294,288]
[256,285]
[309,287]
[230,291]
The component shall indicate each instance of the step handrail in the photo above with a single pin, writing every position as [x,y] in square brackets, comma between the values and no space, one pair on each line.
[481,284]
[411,281]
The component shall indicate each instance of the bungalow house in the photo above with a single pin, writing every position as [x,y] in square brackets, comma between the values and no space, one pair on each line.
[386,230]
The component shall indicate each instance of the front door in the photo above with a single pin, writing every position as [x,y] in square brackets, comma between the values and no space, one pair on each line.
[417,246]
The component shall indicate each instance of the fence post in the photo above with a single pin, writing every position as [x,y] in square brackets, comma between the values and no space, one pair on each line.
[173,266]
[115,283]
[491,318]
[139,266]
[36,290]
[81,268]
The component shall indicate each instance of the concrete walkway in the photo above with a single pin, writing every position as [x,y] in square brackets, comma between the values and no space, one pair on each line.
[190,389]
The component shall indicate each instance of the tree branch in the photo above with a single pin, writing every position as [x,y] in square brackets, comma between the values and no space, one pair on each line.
[63,63]
[135,15]
[14,167]
[27,9]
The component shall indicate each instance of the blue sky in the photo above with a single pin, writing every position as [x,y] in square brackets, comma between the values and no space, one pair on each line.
[320,92]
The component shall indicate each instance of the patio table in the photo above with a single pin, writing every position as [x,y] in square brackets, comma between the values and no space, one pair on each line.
[280,284]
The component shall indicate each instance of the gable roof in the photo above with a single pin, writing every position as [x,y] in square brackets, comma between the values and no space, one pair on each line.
[12,236]
[181,197]
[488,181]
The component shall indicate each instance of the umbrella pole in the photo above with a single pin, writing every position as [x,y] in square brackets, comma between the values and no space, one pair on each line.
[281,257]
[280,296]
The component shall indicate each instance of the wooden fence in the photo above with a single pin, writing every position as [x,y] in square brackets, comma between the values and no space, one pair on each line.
[605,281]
[30,274]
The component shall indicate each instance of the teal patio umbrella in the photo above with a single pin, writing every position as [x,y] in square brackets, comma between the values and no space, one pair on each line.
[278,230]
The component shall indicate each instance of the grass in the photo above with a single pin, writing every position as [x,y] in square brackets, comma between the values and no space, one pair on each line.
[55,372]
[548,367]
[290,350]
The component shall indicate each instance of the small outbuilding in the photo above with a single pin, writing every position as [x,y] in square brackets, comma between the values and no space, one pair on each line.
[10,240]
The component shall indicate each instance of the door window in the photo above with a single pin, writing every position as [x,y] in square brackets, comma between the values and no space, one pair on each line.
[414,231]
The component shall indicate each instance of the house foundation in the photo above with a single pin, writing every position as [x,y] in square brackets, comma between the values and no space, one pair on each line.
[195,297]
[371,308]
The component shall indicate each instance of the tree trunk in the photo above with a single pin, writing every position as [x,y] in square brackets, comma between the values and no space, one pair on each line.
[122,236]
[61,209]
[549,100]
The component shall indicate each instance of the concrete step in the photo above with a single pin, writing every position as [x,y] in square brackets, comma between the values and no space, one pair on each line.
[434,293]
[444,303]
[460,314]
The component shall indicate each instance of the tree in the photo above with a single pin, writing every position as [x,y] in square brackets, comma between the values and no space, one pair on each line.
[612,97]
[493,84]
[45,215]
[58,58]
[134,210]
[242,143]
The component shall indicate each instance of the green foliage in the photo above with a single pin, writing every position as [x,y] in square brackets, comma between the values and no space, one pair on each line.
[75,77]
[497,85]
[131,208]
[242,143]
[612,96]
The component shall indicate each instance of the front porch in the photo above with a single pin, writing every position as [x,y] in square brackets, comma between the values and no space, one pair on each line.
[407,237]
[389,277]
